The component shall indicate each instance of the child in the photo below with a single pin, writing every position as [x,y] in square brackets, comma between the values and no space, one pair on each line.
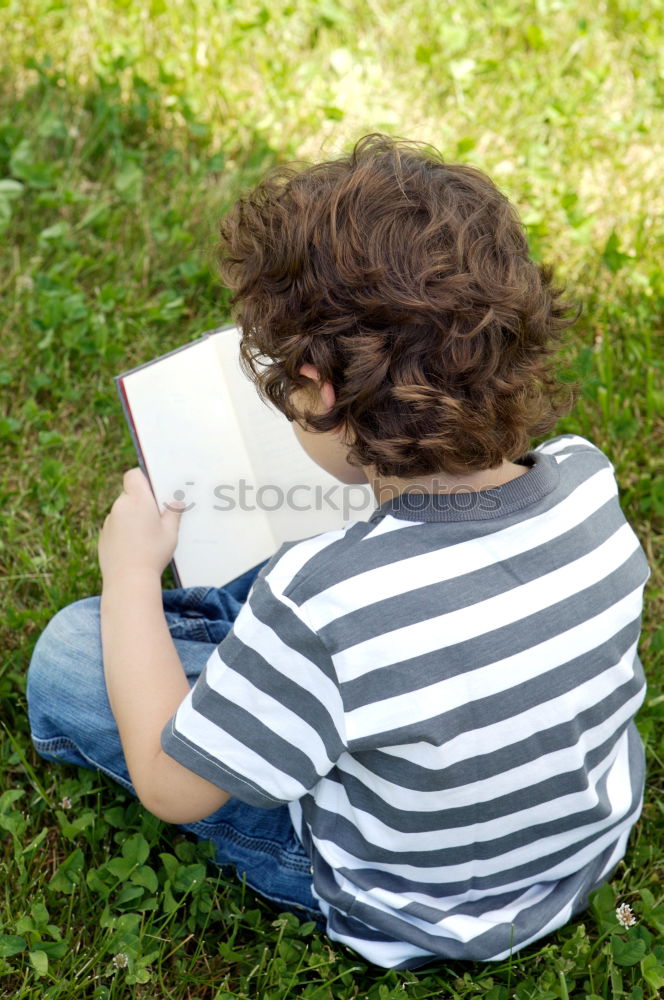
[419,728]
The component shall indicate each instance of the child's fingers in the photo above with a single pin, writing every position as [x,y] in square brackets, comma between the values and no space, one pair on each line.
[170,520]
[172,512]
[135,481]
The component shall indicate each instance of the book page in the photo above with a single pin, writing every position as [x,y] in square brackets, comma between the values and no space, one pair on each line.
[301,498]
[192,445]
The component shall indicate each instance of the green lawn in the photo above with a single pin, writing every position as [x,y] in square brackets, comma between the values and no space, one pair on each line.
[125,129]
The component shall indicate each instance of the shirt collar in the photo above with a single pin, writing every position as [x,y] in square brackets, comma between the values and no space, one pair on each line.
[540,480]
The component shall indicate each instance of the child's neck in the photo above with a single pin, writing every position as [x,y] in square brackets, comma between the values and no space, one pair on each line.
[388,487]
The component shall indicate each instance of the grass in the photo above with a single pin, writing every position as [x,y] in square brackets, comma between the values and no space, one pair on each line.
[125,130]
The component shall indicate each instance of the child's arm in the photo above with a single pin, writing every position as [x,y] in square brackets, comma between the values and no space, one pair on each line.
[144,676]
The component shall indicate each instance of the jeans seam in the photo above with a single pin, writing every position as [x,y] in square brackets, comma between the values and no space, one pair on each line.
[198,630]
[277,851]
[316,915]
[57,743]
[192,629]
[194,596]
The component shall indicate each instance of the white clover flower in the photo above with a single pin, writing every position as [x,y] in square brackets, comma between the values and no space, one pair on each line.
[625,916]
[65,803]
[120,961]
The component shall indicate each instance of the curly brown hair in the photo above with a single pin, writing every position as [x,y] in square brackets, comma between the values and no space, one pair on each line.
[408,283]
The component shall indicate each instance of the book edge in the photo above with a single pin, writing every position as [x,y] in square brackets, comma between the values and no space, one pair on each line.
[176,350]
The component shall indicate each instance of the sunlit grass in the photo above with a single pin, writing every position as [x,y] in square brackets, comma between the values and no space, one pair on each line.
[559,103]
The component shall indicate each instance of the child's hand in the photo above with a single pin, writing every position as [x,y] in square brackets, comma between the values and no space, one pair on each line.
[136,536]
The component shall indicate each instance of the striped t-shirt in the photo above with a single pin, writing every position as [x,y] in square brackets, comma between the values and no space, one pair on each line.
[444,695]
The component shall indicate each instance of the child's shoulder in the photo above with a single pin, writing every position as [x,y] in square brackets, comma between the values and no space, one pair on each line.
[565,446]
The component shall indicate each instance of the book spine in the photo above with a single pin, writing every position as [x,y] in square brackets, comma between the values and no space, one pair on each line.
[126,408]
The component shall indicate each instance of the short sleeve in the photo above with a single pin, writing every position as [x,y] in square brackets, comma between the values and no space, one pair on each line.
[265,719]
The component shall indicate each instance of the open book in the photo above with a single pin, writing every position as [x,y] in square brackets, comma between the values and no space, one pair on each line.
[205,437]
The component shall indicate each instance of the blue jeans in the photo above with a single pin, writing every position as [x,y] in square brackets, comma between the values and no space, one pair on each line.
[71,722]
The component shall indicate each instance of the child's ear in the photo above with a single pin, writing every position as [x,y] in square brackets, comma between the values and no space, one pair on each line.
[327,394]
[309,371]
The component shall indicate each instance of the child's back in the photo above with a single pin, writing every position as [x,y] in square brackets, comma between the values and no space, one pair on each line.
[448,692]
